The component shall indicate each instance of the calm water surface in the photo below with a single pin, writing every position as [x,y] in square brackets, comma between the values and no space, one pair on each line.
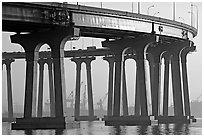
[99,128]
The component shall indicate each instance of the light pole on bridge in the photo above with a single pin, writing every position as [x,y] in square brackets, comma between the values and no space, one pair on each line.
[152,6]
[156,13]
[182,19]
[196,14]
[191,17]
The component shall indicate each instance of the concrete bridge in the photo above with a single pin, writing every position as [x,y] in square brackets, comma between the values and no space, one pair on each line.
[138,36]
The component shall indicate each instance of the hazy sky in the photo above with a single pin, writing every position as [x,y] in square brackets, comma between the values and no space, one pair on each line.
[100,67]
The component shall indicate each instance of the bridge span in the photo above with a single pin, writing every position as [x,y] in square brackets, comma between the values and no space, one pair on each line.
[151,38]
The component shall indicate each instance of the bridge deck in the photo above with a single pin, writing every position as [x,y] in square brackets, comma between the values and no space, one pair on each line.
[92,21]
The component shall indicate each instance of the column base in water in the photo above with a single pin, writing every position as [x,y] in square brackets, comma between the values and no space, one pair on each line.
[39,123]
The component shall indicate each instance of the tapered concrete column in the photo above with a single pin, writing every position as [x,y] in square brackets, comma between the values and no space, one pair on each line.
[166,57]
[78,62]
[110,85]
[57,43]
[89,85]
[8,62]
[185,79]
[41,63]
[156,85]
[142,84]
[137,96]
[124,93]
[51,88]
[59,82]
[31,87]
[151,68]
[117,85]
[176,83]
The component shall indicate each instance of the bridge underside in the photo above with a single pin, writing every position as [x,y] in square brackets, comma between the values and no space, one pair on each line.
[28,27]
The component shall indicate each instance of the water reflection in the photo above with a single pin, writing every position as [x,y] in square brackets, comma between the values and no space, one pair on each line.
[59,131]
[166,129]
[142,130]
[156,130]
[119,130]
[177,129]
[187,131]
[90,125]
[181,129]
[98,128]
[28,132]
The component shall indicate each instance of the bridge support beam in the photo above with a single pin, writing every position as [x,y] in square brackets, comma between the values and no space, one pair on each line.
[51,88]
[117,85]
[176,83]
[110,85]
[166,57]
[41,63]
[91,116]
[154,56]
[142,85]
[78,62]
[184,53]
[89,86]
[124,93]
[139,44]
[137,95]
[175,51]
[8,62]
[31,44]
[151,68]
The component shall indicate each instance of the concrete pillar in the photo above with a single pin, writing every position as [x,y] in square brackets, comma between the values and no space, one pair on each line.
[137,95]
[176,83]
[117,85]
[59,82]
[110,85]
[124,93]
[8,62]
[185,79]
[41,63]
[166,57]
[78,62]
[142,84]
[30,86]
[156,85]
[151,68]
[89,85]
[57,43]
[51,88]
